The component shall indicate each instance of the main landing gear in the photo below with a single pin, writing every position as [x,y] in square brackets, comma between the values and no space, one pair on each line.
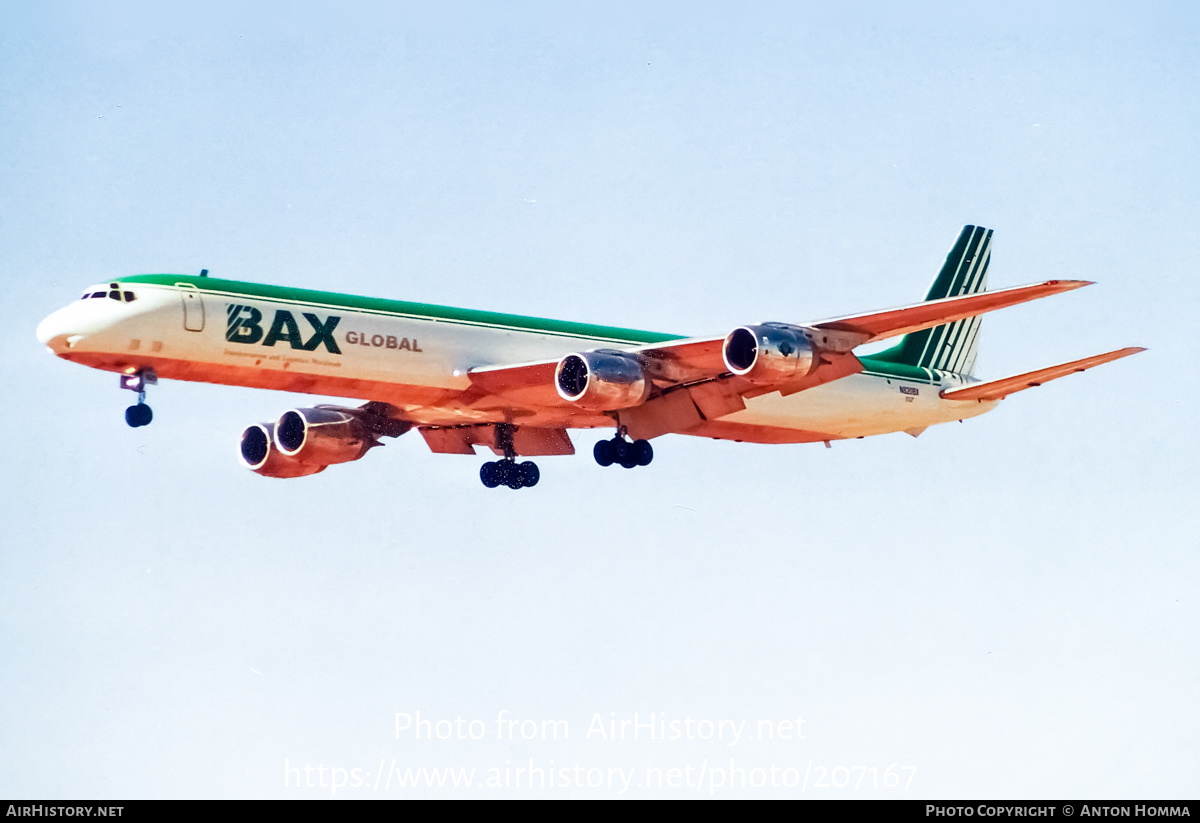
[508,472]
[139,415]
[623,452]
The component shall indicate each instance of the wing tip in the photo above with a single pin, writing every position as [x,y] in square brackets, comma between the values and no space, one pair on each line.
[1068,285]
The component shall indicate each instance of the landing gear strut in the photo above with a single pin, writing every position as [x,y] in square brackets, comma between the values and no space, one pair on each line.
[139,415]
[508,472]
[621,451]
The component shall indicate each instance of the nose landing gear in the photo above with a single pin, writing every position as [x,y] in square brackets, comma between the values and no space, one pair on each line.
[141,414]
[621,451]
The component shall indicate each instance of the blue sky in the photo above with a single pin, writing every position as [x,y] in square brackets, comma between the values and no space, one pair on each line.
[1002,608]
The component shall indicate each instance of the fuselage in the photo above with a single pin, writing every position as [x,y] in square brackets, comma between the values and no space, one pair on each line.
[417,357]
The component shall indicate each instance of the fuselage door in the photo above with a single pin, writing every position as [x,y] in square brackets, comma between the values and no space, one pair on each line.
[193,307]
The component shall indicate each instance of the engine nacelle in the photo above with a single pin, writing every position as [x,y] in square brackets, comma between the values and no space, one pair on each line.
[769,353]
[259,455]
[322,436]
[602,381]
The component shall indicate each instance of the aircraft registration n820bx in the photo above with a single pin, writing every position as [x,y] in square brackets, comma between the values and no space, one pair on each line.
[465,378]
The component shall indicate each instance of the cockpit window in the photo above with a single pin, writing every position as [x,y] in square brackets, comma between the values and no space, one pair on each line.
[115,294]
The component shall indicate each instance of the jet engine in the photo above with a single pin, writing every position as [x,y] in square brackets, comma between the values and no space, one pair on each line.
[259,455]
[306,441]
[770,353]
[323,436]
[602,380]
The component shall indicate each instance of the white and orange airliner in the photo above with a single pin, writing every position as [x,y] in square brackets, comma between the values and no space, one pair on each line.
[465,378]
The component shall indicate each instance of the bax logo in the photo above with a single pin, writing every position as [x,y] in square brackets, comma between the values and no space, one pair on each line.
[244,325]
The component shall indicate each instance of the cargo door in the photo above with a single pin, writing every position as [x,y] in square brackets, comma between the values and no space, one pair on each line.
[193,307]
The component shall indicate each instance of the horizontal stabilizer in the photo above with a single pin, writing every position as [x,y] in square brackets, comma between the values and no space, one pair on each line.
[999,389]
[907,319]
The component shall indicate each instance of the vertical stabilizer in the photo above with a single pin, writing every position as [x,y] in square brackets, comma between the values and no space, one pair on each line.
[951,347]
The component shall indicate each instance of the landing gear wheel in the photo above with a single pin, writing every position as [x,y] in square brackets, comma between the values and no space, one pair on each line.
[514,478]
[139,415]
[620,448]
[621,451]
[489,473]
[507,471]
[643,452]
[602,451]
[510,473]
[530,474]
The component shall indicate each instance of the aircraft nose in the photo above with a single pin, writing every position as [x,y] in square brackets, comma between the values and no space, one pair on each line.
[57,331]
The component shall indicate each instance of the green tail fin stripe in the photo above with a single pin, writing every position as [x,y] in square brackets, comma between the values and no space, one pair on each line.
[952,346]
[956,341]
[964,358]
[948,282]
[967,278]
[964,363]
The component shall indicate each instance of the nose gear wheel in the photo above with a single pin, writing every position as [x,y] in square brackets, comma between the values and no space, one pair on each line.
[139,415]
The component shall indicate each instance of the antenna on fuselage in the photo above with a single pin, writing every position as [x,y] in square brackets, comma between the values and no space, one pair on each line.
[204,272]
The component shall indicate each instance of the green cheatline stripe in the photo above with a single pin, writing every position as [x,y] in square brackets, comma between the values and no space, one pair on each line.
[874,367]
[401,308]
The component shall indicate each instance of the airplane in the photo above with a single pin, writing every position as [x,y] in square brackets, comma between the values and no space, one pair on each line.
[466,378]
